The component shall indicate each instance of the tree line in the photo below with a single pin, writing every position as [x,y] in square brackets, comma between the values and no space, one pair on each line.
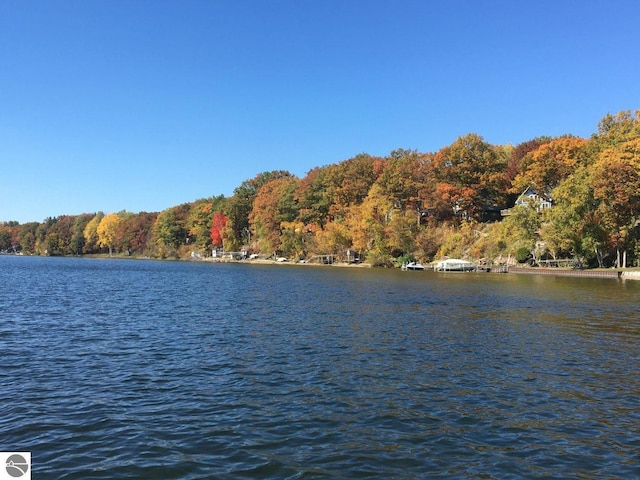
[407,205]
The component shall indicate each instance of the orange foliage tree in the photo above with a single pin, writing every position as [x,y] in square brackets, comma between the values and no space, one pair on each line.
[470,176]
[274,203]
[552,162]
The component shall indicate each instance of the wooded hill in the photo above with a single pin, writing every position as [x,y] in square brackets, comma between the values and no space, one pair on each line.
[407,205]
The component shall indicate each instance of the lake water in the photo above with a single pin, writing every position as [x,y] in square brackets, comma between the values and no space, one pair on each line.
[116,369]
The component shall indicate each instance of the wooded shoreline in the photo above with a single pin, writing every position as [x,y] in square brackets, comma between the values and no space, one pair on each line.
[563,199]
[558,272]
[624,274]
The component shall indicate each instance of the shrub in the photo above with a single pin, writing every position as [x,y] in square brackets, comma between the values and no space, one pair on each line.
[376,259]
[522,255]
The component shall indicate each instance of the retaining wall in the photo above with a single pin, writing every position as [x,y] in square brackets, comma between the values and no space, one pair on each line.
[558,272]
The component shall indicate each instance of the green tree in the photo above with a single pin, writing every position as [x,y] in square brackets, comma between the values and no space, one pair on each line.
[5,238]
[44,246]
[27,237]
[573,227]
[520,229]
[170,228]
[78,240]
[63,229]
[314,196]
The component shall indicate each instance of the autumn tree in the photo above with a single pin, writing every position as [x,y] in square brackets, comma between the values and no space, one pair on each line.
[401,232]
[107,230]
[219,223]
[198,224]
[614,130]
[292,239]
[616,184]
[333,239]
[367,221]
[274,203]
[518,160]
[350,182]
[552,162]
[470,176]
[59,234]
[90,232]
[403,178]
[134,231]
[238,207]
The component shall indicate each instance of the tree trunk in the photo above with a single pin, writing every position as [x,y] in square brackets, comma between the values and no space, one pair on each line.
[624,258]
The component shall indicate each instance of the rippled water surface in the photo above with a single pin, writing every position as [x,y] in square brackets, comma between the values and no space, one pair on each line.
[116,369]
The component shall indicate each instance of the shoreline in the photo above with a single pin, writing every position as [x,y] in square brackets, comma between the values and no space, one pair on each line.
[557,272]
[264,261]
[545,271]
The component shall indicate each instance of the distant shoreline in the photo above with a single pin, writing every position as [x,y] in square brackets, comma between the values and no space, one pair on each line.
[264,261]
[629,274]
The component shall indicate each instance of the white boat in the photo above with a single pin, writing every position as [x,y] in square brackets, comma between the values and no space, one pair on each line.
[412,266]
[454,265]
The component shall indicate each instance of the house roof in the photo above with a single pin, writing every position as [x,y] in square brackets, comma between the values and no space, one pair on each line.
[533,191]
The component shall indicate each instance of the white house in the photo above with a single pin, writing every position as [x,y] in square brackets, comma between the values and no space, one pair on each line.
[532,198]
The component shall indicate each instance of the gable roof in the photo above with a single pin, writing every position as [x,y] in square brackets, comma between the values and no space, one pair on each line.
[531,192]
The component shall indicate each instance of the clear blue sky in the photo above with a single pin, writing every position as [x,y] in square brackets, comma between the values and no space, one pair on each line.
[146,104]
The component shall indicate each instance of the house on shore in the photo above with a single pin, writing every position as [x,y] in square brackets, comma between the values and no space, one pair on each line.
[532,198]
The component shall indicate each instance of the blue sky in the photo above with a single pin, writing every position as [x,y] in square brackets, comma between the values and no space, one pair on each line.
[143,105]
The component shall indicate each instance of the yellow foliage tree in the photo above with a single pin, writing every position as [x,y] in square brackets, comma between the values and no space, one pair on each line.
[366,222]
[90,232]
[616,185]
[107,231]
[334,238]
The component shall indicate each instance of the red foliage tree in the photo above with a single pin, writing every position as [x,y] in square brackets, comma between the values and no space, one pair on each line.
[217,228]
